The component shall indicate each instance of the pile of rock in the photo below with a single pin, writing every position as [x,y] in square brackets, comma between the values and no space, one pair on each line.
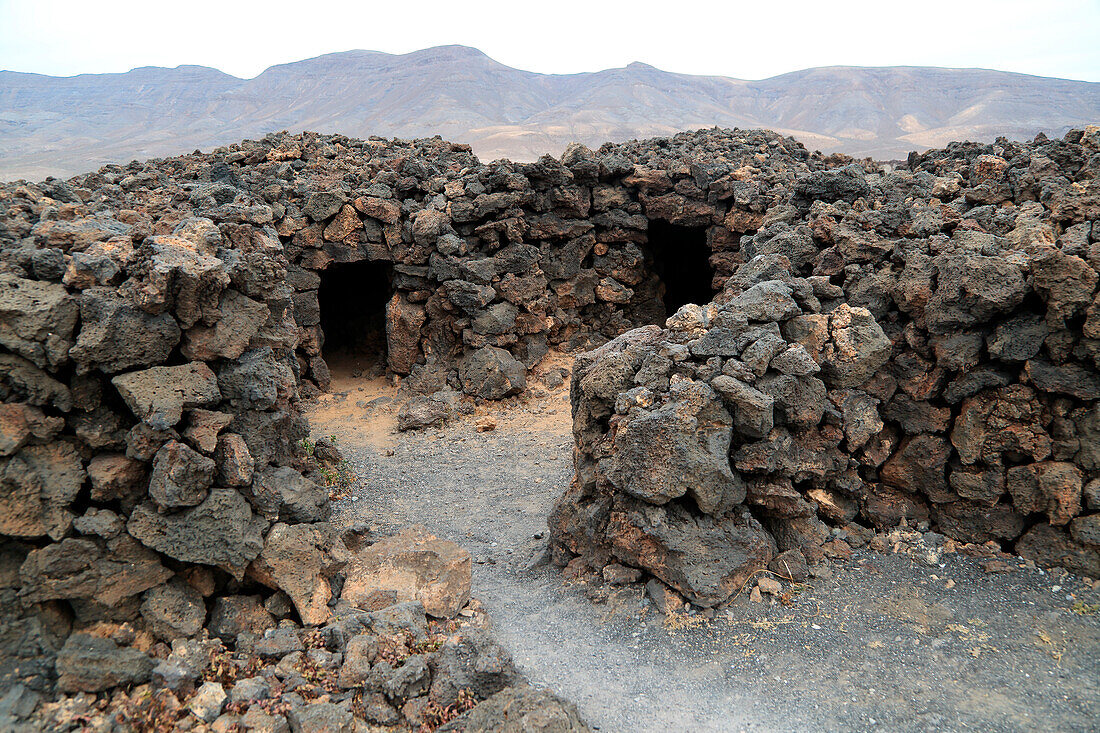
[156,478]
[911,346]
[491,264]
[402,646]
[919,343]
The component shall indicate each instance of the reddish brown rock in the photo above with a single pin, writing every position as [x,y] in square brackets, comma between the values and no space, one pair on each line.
[410,566]
[299,560]
[885,507]
[1051,546]
[919,467]
[1051,487]
[978,523]
[707,559]
[998,421]
[116,477]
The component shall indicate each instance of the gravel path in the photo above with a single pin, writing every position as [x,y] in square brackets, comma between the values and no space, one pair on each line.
[889,643]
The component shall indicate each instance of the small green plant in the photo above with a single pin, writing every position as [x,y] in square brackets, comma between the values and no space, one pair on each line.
[1084,609]
[339,479]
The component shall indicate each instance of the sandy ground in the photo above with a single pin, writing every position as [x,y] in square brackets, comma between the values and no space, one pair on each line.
[890,642]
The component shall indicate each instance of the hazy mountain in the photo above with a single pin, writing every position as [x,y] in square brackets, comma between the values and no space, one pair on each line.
[66,125]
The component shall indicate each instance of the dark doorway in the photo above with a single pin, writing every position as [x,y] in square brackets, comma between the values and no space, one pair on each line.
[681,259]
[353,297]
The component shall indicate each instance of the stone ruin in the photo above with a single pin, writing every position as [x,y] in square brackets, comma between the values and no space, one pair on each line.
[915,346]
[787,348]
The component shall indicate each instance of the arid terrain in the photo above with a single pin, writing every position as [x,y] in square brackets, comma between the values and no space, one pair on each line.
[63,126]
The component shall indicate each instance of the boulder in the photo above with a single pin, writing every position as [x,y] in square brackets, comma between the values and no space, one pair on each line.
[257,380]
[241,319]
[321,717]
[116,335]
[919,467]
[282,493]
[425,411]
[221,531]
[971,289]
[978,523]
[178,274]
[158,395]
[180,477]
[234,463]
[1051,487]
[233,615]
[473,662]
[857,347]
[708,559]
[21,380]
[37,320]
[115,477]
[1050,546]
[82,569]
[37,485]
[995,422]
[173,610]
[410,566]
[491,373]
[752,410]
[203,427]
[299,560]
[520,709]
[679,448]
[403,323]
[93,664]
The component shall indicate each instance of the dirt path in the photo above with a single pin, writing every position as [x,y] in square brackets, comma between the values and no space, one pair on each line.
[890,642]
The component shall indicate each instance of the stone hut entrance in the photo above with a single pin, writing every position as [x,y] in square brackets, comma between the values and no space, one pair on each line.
[353,297]
[681,259]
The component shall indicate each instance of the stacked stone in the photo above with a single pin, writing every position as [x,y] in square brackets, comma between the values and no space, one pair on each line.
[156,482]
[159,322]
[495,263]
[491,262]
[152,445]
[915,344]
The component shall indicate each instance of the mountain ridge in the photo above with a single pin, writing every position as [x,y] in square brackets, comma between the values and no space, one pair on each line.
[65,125]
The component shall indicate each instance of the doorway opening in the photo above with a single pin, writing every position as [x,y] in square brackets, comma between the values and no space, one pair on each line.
[353,297]
[681,259]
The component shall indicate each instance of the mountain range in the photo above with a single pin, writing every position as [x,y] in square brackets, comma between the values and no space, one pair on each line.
[66,125]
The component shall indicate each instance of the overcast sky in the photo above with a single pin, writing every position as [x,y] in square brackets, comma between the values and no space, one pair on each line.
[749,40]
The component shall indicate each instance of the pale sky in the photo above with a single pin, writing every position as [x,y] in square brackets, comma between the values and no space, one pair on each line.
[748,40]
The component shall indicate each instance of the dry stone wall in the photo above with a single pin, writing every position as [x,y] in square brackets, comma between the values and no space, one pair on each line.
[917,345]
[880,344]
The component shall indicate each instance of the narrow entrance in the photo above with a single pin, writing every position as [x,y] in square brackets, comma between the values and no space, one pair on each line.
[681,259]
[353,297]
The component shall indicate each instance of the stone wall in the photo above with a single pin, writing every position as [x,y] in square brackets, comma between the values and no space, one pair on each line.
[919,345]
[160,322]
[881,344]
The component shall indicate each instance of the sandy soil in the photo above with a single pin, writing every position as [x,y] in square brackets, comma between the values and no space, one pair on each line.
[891,642]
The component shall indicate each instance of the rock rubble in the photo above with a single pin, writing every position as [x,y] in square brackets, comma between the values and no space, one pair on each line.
[893,346]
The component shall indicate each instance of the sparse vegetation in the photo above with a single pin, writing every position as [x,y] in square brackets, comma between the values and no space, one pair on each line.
[435,715]
[340,478]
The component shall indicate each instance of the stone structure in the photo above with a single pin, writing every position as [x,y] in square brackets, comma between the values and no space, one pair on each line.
[917,343]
